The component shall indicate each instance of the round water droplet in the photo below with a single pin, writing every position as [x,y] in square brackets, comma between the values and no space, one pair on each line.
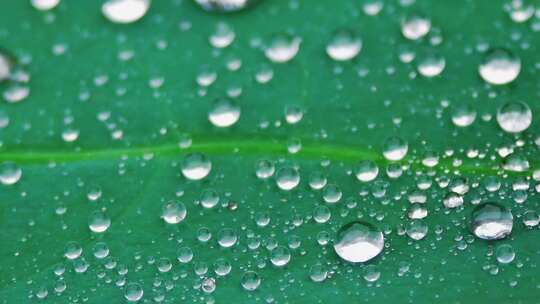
[514,117]
[280,256]
[331,194]
[395,148]
[431,65]
[173,212]
[358,242]
[225,113]
[499,67]
[453,200]
[133,292]
[287,178]
[209,199]
[196,166]
[101,250]
[250,280]
[44,5]
[73,250]
[223,36]
[10,173]
[491,221]
[227,237]
[366,171]
[264,169]
[463,115]
[344,45]
[99,222]
[125,11]
[318,273]
[225,6]
[505,253]
[371,273]
[16,93]
[417,229]
[531,219]
[222,267]
[415,27]
[282,48]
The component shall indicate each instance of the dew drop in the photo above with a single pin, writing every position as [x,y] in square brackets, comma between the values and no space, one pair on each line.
[173,212]
[196,166]
[250,280]
[287,178]
[514,117]
[73,250]
[282,48]
[133,292]
[10,173]
[505,253]
[491,221]
[463,115]
[499,67]
[417,229]
[125,11]
[415,27]
[280,256]
[358,242]
[227,237]
[366,171]
[431,65]
[99,222]
[44,5]
[344,45]
[395,148]
[225,113]
[225,6]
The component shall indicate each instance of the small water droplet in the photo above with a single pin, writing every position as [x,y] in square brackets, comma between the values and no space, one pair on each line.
[225,113]
[514,117]
[196,166]
[358,242]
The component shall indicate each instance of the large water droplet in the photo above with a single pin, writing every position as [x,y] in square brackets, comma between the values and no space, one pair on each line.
[174,212]
[125,11]
[287,178]
[358,242]
[344,45]
[133,292]
[250,280]
[415,27]
[196,166]
[10,173]
[282,48]
[514,117]
[499,67]
[491,221]
[225,113]
[395,148]
[99,222]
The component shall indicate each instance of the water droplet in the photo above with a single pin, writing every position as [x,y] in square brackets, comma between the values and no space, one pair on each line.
[318,273]
[514,117]
[250,280]
[491,221]
[223,36]
[16,93]
[463,115]
[73,250]
[10,173]
[282,48]
[44,5]
[499,67]
[431,65]
[222,267]
[505,253]
[174,212]
[209,199]
[225,6]
[287,178]
[358,242]
[366,171]
[133,292]
[196,166]
[184,255]
[344,45]
[125,11]
[331,194]
[531,219]
[371,273]
[99,222]
[453,200]
[227,237]
[225,113]
[395,148]
[417,229]
[208,285]
[280,256]
[264,169]
[293,114]
[415,27]
[101,250]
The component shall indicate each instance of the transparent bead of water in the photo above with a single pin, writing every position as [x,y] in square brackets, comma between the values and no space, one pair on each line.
[321,214]
[133,292]
[16,93]
[222,267]
[125,11]
[209,199]
[463,115]
[196,166]
[371,273]
[499,67]
[225,6]
[282,48]
[227,237]
[318,273]
[280,256]
[173,212]
[293,114]
[514,117]
[264,169]
[366,171]
[395,148]
[5,67]
[530,218]
[415,27]
[208,285]
[250,280]
[505,253]
[452,200]
[287,178]
[344,45]
[73,250]
[184,255]
[101,250]
[224,113]
[223,36]
[99,222]
[44,5]
[331,193]
[358,242]
[491,221]
[10,173]
[431,65]
[417,229]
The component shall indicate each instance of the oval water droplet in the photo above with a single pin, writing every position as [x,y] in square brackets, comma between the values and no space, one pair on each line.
[358,242]
[196,166]
[344,45]
[225,113]
[514,117]
[499,67]
[173,212]
[491,221]
[125,11]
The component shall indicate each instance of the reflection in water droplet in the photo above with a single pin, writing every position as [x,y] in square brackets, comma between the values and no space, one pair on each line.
[514,117]
[44,5]
[287,178]
[395,148]
[225,113]
[344,45]
[415,27]
[173,212]
[499,67]
[282,48]
[225,6]
[196,166]
[99,222]
[358,242]
[10,173]
[491,221]
[133,292]
[125,11]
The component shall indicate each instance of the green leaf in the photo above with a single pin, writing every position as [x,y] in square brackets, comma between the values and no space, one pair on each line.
[101,79]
